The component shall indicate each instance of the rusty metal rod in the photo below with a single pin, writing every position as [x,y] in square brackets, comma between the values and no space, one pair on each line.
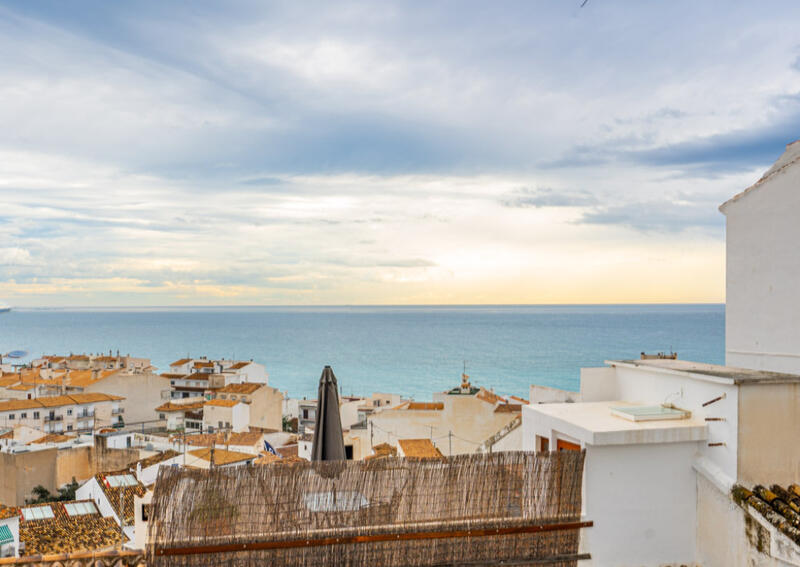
[718,398]
[419,535]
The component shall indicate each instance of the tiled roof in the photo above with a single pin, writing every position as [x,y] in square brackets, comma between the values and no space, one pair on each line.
[83,378]
[181,362]
[154,459]
[287,450]
[266,459]
[57,401]
[508,408]
[67,534]
[200,364]
[8,512]
[113,494]
[779,506]
[201,439]
[169,406]
[382,450]
[245,438]
[419,449]
[420,406]
[53,438]
[243,388]
[221,456]
[222,403]
[22,387]
[488,396]
[240,365]
[172,375]
[520,400]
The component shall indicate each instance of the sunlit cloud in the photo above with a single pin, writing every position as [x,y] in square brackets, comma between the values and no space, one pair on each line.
[251,154]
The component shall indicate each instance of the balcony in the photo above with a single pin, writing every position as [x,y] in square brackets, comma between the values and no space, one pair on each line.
[84,413]
[49,418]
[117,411]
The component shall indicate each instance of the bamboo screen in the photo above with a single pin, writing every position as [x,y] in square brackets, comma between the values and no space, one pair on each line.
[517,508]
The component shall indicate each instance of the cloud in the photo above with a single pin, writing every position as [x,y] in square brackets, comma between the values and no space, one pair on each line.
[657,216]
[14,257]
[547,197]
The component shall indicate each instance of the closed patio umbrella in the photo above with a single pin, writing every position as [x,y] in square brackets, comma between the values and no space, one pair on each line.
[328,437]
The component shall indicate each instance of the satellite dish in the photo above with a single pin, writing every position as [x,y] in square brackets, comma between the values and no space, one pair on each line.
[17,354]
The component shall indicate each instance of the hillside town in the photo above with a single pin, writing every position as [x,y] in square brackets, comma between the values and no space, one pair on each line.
[678,462]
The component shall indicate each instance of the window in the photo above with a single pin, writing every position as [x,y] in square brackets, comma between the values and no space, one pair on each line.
[23,416]
[80,508]
[69,428]
[348,452]
[224,397]
[145,512]
[69,412]
[161,416]
[305,414]
[36,415]
[10,416]
[37,513]
[219,424]
[121,480]
[227,425]
[543,443]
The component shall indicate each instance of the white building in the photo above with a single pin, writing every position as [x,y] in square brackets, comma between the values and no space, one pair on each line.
[668,440]
[114,495]
[763,271]
[9,532]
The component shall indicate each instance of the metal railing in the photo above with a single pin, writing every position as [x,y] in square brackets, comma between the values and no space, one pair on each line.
[48,418]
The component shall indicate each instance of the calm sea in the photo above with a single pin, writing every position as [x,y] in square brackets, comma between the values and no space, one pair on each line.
[411,350]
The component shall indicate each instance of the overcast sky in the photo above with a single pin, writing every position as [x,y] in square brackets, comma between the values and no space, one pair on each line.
[161,153]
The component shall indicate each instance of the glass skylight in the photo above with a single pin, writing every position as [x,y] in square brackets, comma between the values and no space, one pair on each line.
[80,508]
[121,480]
[37,513]
[649,413]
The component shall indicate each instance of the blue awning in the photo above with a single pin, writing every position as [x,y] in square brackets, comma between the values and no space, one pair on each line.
[5,535]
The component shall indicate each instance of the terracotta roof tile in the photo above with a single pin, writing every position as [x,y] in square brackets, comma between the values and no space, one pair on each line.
[779,506]
[181,362]
[170,406]
[508,408]
[222,403]
[420,406]
[68,534]
[54,438]
[8,512]
[221,456]
[57,401]
[243,388]
[113,494]
[488,396]
[287,450]
[419,449]
[154,459]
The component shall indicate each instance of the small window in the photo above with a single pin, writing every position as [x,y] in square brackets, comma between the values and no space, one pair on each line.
[69,428]
[219,424]
[23,416]
[37,513]
[11,417]
[224,397]
[80,508]
[161,416]
[121,480]
[36,415]
[69,412]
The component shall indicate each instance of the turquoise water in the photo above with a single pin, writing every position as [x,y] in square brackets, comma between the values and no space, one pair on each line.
[411,350]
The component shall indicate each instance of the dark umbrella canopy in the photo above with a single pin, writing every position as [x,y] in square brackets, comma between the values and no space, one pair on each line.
[328,437]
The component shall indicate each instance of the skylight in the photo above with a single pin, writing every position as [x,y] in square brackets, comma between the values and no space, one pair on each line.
[649,413]
[121,480]
[80,508]
[38,513]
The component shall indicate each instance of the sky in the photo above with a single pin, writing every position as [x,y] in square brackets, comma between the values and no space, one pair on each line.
[243,153]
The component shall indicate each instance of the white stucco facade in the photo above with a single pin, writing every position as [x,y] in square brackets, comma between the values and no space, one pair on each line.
[763,270]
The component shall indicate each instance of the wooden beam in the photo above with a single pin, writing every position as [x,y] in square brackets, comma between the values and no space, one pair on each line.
[407,536]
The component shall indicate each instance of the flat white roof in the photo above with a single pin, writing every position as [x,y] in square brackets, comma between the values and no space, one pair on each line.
[594,423]
[710,372]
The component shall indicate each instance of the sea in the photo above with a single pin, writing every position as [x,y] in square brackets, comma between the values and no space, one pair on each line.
[414,351]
